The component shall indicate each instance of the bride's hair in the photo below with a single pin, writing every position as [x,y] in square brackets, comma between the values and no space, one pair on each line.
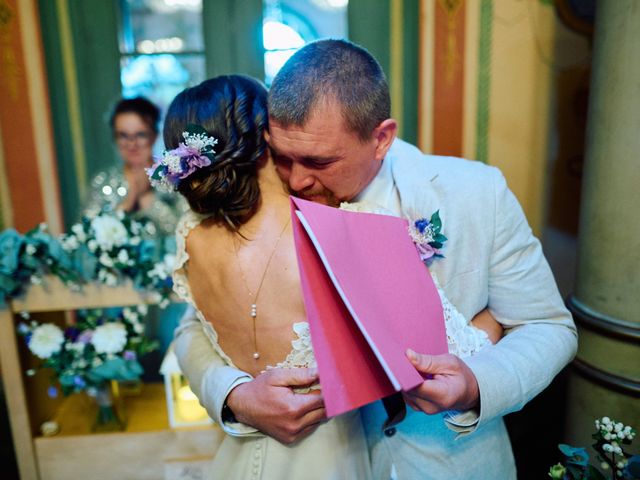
[232,109]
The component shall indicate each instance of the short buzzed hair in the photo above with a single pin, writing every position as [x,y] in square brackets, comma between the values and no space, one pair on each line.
[336,70]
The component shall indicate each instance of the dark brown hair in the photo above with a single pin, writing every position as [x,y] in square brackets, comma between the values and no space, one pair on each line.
[232,109]
[148,112]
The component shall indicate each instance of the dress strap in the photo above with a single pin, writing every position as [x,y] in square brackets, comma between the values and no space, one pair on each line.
[187,222]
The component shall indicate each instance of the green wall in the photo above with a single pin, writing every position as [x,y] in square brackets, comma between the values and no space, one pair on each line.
[233,44]
[96,78]
[373,31]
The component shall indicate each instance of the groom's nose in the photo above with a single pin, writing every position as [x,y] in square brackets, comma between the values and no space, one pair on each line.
[300,177]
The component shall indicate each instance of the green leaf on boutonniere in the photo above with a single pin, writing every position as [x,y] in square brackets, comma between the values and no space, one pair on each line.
[436,222]
[439,238]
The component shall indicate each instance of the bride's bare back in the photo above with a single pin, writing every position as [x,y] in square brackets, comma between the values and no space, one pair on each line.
[218,258]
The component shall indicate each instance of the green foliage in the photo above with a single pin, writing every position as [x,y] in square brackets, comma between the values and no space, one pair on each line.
[109,248]
[609,438]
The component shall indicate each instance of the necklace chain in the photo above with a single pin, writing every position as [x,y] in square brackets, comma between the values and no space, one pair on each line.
[254,298]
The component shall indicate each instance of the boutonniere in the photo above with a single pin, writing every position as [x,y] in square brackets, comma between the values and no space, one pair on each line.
[427,237]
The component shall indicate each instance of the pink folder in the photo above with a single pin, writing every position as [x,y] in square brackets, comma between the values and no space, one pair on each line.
[368,298]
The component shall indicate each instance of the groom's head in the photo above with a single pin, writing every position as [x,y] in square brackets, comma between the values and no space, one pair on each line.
[329,125]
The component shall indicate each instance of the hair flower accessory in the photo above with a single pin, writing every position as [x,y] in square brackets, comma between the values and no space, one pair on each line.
[427,237]
[174,165]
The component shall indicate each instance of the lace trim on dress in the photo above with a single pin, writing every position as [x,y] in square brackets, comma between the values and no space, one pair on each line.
[301,355]
[463,338]
[188,222]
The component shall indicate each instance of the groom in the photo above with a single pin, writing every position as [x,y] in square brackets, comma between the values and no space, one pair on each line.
[332,140]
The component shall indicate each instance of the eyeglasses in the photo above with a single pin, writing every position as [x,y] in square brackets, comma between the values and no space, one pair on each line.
[138,138]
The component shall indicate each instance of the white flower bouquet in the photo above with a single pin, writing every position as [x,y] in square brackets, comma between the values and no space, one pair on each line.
[101,345]
[109,248]
[112,246]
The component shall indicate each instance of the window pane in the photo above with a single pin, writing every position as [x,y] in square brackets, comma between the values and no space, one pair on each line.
[156,26]
[290,24]
[160,77]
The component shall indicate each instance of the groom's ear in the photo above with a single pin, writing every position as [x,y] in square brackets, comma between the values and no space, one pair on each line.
[384,134]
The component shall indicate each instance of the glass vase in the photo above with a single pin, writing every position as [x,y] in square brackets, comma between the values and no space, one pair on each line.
[109,416]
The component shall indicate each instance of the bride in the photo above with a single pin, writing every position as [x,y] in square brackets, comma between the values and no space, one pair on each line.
[236,265]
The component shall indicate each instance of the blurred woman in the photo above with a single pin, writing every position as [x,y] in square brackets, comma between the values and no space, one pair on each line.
[134,125]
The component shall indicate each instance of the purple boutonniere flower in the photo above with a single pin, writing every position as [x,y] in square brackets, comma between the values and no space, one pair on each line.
[427,237]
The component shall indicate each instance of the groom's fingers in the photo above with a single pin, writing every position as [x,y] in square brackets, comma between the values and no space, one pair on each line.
[304,403]
[305,415]
[292,377]
[449,383]
[270,403]
[420,404]
[429,365]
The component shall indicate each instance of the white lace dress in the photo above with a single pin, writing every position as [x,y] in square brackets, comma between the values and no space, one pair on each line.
[337,449]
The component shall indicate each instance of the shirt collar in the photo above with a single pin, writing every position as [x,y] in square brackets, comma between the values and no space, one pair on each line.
[380,188]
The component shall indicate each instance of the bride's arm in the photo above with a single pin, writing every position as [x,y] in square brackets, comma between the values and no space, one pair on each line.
[210,378]
[485,321]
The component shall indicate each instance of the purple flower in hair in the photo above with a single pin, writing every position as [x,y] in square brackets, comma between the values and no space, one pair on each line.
[175,165]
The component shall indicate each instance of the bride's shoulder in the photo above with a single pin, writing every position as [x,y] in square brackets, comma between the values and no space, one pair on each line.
[203,234]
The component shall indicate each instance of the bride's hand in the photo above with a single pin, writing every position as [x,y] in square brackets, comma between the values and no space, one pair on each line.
[269,404]
[484,320]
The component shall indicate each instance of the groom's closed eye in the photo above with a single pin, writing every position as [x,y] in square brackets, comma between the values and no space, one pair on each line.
[318,163]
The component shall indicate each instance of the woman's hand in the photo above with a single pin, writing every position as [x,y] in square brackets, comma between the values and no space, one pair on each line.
[140,196]
[485,321]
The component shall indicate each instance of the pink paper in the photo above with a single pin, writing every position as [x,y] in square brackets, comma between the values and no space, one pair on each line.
[395,304]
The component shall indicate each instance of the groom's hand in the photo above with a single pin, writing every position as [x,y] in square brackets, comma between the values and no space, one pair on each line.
[269,404]
[449,384]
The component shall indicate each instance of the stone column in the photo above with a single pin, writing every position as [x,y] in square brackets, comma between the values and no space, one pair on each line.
[606,305]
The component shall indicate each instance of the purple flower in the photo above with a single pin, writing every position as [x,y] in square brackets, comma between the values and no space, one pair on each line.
[85,337]
[190,160]
[426,251]
[78,381]
[52,391]
[72,333]
[129,355]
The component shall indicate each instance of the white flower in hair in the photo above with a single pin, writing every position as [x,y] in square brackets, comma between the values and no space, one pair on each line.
[173,163]
[199,141]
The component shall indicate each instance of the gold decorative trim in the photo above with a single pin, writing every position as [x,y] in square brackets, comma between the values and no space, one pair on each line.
[426,75]
[40,114]
[451,8]
[6,209]
[470,88]
[396,61]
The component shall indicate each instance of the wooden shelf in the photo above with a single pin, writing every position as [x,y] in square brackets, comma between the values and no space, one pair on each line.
[147,449]
[53,295]
[123,455]
[146,412]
